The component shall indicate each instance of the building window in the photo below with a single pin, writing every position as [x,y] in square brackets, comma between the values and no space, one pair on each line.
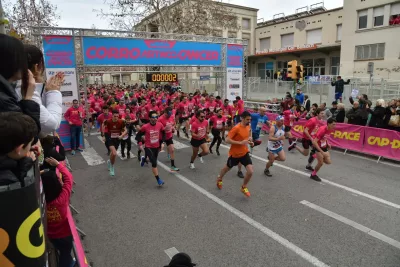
[265,44]
[372,51]
[314,36]
[246,36]
[339,32]
[313,67]
[287,40]
[394,14]
[362,19]
[335,65]
[378,16]
[261,70]
[245,24]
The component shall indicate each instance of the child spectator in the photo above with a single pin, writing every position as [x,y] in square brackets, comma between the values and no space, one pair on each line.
[16,137]
[57,200]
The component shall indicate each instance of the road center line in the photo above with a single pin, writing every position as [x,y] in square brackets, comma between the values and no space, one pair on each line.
[171,252]
[286,243]
[353,224]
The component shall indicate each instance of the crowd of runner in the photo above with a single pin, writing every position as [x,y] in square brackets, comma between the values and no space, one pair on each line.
[154,115]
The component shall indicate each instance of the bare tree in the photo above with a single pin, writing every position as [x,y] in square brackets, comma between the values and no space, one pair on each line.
[204,17]
[26,13]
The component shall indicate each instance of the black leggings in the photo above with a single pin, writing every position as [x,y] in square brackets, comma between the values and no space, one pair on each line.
[217,138]
[128,143]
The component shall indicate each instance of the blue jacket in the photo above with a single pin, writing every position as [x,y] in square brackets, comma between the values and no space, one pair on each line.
[300,97]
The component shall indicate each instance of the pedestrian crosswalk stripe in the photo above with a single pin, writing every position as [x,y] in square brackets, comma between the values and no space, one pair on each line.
[91,156]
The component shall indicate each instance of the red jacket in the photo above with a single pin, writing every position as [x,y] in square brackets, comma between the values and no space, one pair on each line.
[57,210]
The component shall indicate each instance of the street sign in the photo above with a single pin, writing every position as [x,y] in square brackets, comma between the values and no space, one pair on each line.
[370,69]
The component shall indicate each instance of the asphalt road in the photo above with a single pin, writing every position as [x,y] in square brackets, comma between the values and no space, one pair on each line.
[351,218]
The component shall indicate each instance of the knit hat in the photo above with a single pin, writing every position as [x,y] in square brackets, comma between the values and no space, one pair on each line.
[181,260]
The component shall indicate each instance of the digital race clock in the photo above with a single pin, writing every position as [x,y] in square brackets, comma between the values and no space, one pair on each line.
[162,77]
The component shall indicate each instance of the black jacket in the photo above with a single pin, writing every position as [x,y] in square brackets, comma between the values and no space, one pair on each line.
[357,116]
[9,102]
[338,114]
[14,171]
[339,85]
[378,115]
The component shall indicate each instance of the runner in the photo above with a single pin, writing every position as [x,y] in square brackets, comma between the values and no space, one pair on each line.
[199,131]
[168,121]
[239,138]
[310,129]
[257,122]
[153,133]
[228,113]
[126,139]
[103,130]
[275,144]
[217,122]
[289,116]
[116,128]
[321,145]
[184,112]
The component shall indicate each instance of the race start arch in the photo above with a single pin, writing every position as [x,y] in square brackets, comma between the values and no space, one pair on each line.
[82,52]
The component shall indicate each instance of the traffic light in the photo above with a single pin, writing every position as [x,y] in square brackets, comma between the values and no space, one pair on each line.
[292,69]
[299,71]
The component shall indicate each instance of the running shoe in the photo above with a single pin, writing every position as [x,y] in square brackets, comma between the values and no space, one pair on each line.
[211,152]
[112,171]
[201,160]
[160,182]
[168,156]
[174,169]
[219,184]
[315,178]
[142,161]
[73,152]
[309,168]
[128,156]
[192,166]
[245,191]
[267,173]
[109,164]
[293,145]
[178,134]
[184,130]
[240,174]
[123,155]
[218,152]
[80,149]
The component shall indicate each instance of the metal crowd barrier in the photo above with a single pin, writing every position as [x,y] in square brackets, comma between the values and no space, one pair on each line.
[271,108]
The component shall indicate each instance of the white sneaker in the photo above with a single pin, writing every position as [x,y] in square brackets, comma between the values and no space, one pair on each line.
[192,166]
[201,160]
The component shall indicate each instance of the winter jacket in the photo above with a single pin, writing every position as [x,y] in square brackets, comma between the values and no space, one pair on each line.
[15,171]
[300,97]
[307,104]
[9,102]
[378,115]
[57,210]
[339,85]
[357,116]
[338,114]
[50,107]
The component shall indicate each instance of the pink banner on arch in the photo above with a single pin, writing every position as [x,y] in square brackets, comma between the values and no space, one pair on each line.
[381,142]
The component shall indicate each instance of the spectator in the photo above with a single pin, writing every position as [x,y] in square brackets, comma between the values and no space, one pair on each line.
[362,100]
[327,113]
[339,115]
[181,260]
[307,103]
[356,115]
[48,95]
[16,137]
[74,116]
[339,88]
[49,145]
[15,68]
[303,113]
[377,114]
[389,111]
[288,102]
[300,97]
[57,199]
[334,107]
[311,113]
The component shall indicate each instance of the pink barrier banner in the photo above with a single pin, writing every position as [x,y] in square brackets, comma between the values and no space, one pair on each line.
[348,136]
[80,253]
[381,142]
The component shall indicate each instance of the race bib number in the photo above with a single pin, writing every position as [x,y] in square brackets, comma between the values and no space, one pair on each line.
[291,123]
[323,143]
[154,137]
[277,145]
[201,131]
[114,135]
[168,127]
[219,124]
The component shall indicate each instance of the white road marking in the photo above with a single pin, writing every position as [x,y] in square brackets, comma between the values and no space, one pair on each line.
[91,156]
[171,252]
[284,242]
[377,199]
[353,224]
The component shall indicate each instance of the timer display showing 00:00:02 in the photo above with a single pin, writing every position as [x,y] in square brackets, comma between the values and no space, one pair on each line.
[168,77]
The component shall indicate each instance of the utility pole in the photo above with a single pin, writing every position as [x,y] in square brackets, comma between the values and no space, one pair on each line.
[2,20]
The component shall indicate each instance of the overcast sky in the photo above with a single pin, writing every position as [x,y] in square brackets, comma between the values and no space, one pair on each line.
[79,13]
